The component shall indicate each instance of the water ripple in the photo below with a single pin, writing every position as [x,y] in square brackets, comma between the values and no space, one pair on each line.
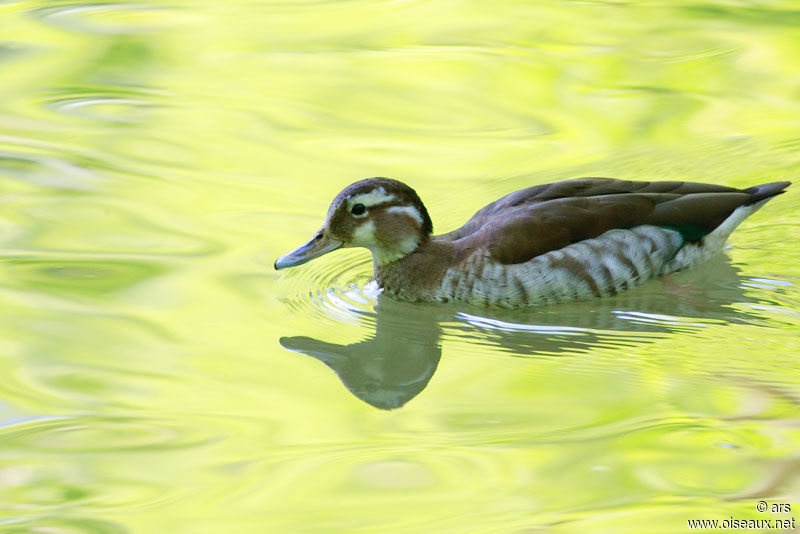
[48,171]
[102,108]
[505,326]
[151,148]
[79,277]
[64,525]
[108,19]
[337,291]
[99,434]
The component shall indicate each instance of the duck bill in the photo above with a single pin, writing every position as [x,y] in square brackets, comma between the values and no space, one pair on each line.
[320,244]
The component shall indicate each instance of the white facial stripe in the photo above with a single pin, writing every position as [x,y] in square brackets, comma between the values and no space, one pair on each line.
[411,211]
[364,234]
[373,198]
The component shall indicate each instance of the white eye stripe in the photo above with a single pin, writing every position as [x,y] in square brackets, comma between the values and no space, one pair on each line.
[408,210]
[374,197]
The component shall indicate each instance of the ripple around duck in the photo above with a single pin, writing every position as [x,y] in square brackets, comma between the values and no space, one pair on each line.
[505,326]
[531,339]
[341,295]
[688,303]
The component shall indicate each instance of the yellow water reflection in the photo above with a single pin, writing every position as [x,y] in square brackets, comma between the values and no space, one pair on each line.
[155,158]
[396,363]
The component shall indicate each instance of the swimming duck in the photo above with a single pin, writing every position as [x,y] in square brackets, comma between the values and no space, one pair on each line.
[569,240]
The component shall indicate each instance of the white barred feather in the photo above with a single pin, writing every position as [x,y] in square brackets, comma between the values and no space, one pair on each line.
[616,260]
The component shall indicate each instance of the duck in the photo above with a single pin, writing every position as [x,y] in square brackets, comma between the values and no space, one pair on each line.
[569,240]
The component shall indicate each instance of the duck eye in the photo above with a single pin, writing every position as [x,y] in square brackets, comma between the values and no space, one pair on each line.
[358,209]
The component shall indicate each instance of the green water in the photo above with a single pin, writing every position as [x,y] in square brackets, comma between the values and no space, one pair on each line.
[157,375]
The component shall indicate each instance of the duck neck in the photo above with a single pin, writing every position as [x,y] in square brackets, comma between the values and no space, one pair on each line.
[385,258]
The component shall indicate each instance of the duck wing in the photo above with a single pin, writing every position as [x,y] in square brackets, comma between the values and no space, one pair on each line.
[536,220]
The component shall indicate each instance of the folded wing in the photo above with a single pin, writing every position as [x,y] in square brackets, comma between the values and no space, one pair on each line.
[536,220]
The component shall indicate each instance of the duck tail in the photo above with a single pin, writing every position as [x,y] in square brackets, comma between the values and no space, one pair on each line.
[711,243]
[765,191]
[759,195]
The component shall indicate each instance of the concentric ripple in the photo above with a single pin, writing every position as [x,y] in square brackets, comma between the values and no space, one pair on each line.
[338,291]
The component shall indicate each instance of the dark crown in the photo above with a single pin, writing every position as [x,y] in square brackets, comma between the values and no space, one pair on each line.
[404,193]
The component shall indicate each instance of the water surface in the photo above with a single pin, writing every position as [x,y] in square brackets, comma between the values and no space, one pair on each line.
[159,376]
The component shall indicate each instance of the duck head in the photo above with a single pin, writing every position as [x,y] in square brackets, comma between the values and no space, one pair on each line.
[383,215]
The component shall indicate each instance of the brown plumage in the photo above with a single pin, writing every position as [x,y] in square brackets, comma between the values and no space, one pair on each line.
[605,234]
[532,221]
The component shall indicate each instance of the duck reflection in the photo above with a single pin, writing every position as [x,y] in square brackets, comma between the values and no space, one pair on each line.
[396,364]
